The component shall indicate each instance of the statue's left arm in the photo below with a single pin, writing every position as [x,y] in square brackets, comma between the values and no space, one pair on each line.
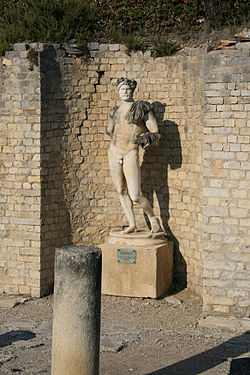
[152,136]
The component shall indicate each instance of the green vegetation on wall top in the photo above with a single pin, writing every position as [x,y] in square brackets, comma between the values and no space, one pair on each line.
[54,21]
[57,21]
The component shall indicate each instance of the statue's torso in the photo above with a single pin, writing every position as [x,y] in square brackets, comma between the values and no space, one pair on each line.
[124,129]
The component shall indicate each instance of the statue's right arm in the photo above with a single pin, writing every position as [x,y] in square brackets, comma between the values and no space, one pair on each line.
[111,123]
[110,127]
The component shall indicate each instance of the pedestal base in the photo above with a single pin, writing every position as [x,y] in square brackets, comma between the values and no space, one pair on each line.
[144,269]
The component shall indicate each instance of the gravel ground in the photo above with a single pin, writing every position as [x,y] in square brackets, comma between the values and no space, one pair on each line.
[139,336]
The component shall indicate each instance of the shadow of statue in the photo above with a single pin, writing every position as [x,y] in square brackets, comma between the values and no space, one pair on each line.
[199,363]
[154,174]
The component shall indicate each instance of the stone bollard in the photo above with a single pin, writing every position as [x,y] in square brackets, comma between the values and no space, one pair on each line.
[76,315]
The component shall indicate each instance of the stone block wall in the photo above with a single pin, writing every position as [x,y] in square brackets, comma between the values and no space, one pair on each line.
[55,225]
[196,179]
[226,182]
[34,219]
[20,184]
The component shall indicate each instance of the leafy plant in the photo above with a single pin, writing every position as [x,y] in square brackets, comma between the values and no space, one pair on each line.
[133,43]
[114,34]
[162,47]
[161,16]
[32,56]
[148,16]
[45,21]
[219,13]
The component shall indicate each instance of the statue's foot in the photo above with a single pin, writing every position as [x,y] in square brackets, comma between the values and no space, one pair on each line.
[130,229]
[155,225]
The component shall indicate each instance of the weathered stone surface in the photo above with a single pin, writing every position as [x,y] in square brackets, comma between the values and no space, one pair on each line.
[231,324]
[124,151]
[76,313]
[225,191]
[148,274]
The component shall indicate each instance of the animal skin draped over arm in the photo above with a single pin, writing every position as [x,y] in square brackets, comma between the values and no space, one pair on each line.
[141,109]
[146,139]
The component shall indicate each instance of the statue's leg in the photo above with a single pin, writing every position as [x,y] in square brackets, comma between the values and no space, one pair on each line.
[133,178]
[127,206]
[116,172]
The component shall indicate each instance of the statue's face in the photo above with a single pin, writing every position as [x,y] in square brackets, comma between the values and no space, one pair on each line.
[126,93]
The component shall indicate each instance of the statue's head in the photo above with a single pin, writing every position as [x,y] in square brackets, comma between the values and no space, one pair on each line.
[126,88]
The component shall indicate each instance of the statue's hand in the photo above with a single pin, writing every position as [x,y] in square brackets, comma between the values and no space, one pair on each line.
[145,140]
[138,139]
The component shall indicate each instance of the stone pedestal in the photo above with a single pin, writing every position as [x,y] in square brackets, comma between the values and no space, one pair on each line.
[137,264]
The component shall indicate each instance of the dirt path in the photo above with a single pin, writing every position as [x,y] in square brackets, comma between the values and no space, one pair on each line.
[139,336]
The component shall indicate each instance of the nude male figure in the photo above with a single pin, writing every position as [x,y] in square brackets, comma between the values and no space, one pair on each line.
[131,124]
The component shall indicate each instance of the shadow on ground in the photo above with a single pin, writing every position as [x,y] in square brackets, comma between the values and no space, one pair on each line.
[8,338]
[204,361]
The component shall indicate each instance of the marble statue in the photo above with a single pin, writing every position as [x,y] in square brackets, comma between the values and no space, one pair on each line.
[131,124]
